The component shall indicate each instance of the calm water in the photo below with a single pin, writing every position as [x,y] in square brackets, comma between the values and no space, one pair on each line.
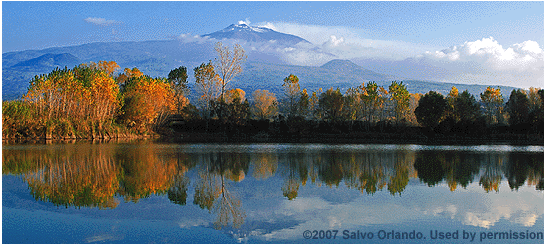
[271,193]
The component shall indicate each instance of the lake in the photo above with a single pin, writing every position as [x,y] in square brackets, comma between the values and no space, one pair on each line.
[149,192]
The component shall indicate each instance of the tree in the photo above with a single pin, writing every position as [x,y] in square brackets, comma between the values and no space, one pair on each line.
[534,97]
[430,110]
[451,104]
[128,73]
[238,109]
[331,103]
[82,96]
[147,102]
[352,104]
[373,98]
[518,108]
[291,87]
[536,109]
[303,104]
[413,104]
[265,104]
[207,83]
[235,94]
[492,99]
[467,108]
[400,97]
[229,64]
[314,104]
[110,67]
[178,82]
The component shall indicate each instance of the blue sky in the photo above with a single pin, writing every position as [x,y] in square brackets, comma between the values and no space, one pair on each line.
[37,25]
[473,42]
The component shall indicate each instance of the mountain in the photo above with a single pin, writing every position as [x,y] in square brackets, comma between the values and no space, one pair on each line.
[255,34]
[337,74]
[264,69]
[49,61]
[348,67]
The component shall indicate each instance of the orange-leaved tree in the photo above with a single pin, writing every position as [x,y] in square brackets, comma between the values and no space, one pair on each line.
[80,96]
[147,102]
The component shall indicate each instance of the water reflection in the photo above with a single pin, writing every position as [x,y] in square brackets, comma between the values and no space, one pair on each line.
[84,175]
[212,190]
[461,168]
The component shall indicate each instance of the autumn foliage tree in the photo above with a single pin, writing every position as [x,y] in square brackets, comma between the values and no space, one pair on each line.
[147,101]
[81,97]
[228,64]
[331,103]
[493,102]
[265,104]
[400,98]
[207,84]
[291,85]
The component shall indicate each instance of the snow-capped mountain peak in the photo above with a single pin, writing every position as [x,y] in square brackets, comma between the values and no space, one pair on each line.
[245,27]
[255,34]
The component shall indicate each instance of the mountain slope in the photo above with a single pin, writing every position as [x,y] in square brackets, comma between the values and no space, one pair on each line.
[348,67]
[49,61]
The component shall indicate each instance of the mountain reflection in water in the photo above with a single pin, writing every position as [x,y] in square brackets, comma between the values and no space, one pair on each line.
[97,175]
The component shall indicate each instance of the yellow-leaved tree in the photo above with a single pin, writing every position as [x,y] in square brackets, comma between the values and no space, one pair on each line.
[147,102]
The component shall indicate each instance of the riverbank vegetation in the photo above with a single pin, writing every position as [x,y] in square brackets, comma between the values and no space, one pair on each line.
[94,101]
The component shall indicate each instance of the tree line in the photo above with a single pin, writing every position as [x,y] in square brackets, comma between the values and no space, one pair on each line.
[93,100]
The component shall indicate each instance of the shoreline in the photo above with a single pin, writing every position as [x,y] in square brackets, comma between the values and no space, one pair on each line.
[324,138]
[526,140]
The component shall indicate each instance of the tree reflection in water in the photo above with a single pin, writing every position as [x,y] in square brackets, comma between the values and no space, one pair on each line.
[212,189]
[84,175]
[462,167]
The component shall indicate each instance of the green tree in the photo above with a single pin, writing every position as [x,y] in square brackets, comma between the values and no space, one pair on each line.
[430,110]
[373,99]
[467,108]
[303,104]
[207,85]
[451,104]
[314,104]
[178,81]
[292,92]
[400,98]
[492,100]
[536,110]
[518,108]
[352,104]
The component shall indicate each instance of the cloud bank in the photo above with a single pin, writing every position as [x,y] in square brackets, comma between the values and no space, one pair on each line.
[483,61]
[100,21]
[486,61]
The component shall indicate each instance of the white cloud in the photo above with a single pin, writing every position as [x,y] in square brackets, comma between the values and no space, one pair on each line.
[190,38]
[100,21]
[348,43]
[486,61]
[334,41]
[490,54]
[246,21]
